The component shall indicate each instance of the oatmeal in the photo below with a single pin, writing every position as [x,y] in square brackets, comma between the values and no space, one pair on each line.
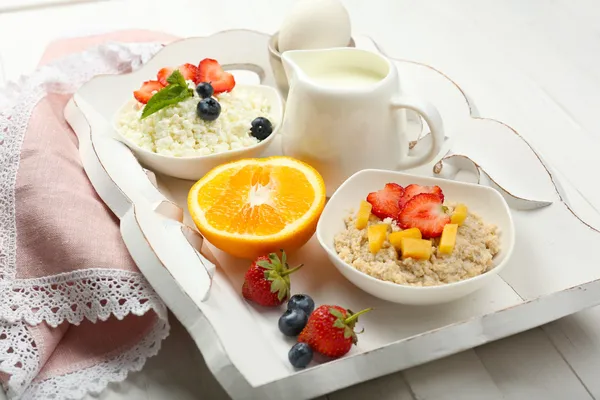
[475,246]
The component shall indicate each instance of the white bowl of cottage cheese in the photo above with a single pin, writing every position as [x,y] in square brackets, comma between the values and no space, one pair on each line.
[174,141]
[480,247]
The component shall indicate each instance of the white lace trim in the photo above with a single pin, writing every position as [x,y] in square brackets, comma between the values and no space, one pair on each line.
[19,356]
[93,294]
[94,379]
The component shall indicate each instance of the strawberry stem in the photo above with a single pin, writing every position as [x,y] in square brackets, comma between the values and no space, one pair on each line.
[290,271]
[354,317]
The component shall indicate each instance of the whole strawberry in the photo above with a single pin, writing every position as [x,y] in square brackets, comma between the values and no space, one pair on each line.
[267,281]
[330,330]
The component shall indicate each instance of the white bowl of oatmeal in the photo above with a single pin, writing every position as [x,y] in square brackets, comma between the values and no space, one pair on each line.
[483,245]
[176,142]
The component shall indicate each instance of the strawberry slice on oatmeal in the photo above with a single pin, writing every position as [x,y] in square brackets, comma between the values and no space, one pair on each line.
[412,236]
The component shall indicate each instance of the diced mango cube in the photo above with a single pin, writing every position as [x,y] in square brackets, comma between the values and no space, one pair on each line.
[459,214]
[416,248]
[376,235]
[364,212]
[395,238]
[448,239]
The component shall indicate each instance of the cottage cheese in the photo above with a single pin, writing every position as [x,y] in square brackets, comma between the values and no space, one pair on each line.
[177,130]
[476,245]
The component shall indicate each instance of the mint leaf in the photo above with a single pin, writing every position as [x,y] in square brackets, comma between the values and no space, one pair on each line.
[177,79]
[167,96]
[176,91]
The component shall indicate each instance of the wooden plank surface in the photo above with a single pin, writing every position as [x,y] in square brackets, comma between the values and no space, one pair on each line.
[7,6]
[532,64]
[527,366]
[577,338]
[461,376]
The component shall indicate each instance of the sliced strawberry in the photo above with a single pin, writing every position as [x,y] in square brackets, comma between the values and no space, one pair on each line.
[425,212]
[210,70]
[163,74]
[189,72]
[386,201]
[147,91]
[412,190]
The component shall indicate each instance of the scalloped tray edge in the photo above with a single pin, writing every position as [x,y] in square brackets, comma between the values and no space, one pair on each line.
[148,236]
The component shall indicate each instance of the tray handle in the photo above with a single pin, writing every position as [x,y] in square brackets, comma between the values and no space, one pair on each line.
[156,240]
[452,164]
[257,69]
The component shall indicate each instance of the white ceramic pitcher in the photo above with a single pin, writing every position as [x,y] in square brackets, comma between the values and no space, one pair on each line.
[345,112]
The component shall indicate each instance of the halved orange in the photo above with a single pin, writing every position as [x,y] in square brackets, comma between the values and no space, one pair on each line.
[255,206]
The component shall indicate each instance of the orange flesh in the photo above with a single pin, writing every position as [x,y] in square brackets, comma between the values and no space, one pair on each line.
[256,200]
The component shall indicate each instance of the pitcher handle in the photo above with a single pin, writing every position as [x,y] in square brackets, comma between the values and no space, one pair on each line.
[432,116]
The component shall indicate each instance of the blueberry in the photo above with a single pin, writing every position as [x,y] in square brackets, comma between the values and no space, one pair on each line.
[300,355]
[261,128]
[302,302]
[205,90]
[292,322]
[208,109]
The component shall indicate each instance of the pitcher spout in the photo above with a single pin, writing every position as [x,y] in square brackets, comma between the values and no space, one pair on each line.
[345,68]
[295,63]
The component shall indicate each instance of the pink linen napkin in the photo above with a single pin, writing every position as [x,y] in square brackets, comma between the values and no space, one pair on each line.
[75,312]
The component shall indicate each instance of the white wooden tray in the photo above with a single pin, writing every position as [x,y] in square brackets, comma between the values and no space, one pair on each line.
[553,271]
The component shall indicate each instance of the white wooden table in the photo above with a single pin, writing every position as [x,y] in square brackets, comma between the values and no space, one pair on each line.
[532,64]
